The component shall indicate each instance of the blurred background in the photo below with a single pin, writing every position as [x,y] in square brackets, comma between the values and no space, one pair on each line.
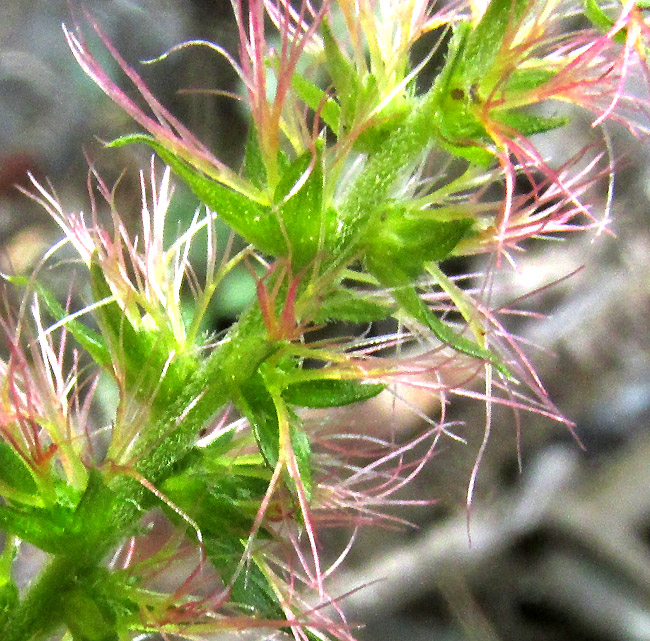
[560,550]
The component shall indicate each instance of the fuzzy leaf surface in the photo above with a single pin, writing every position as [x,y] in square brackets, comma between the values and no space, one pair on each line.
[256,223]
[318,101]
[407,297]
[406,241]
[308,225]
[14,471]
[90,340]
[352,306]
[319,394]
[142,354]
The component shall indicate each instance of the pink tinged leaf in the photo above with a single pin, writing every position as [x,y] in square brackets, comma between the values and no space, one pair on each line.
[166,128]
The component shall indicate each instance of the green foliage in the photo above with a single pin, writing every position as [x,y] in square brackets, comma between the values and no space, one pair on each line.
[521,80]
[255,222]
[296,224]
[45,528]
[598,17]
[344,78]
[253,167]
[456,126]
[8,601]
[348,223]
[358,95]
[308,225]
[222,497]
[352,306]
[85,617]
[406,295]
[486,39]
[477,66]
[529,124]
[257,404]
[140,355]
[301,447]
[14,473]
[92,342]
[406,241]
[323,393]
[318,101]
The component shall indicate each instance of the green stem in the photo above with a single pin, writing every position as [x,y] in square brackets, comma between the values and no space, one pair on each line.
[107,513]
[40,612]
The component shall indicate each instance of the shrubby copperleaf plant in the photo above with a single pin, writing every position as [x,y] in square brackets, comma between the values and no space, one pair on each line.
[360,178]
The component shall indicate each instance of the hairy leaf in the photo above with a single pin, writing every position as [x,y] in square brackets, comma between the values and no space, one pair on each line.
[318,101]
[406,242]
[86,619]
[253,167]
[407,297]
[43,528]
[308,225]
[256,223]
[257,404]
[529,124]
[142,354]
[14,472]
[485,40]
[90,340]
[330,393]
[352,306]
[8,601]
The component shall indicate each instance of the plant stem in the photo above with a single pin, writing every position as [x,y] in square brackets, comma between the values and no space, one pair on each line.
[107,513]
[41,609]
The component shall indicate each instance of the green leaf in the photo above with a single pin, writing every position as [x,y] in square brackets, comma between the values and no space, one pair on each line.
[330,393]
[253,168]
[43,528]
[14,471]
[529,124]
[8,601]
[454,59]
[309,228]
[92,514]
[344,76]
[257,404]
[222,503]
[352,306]
[85,617]
[256,223]
[131,348]
[259,407]
[224,507]
[528,79]
[597,16]
[250,590]
[318,101]
[603,22]
[114,324]
[409,300]
[477,154]
[143,354]
[455,126]
[90,340]
[367,197]
[302,450]
[486,39]
[459,131]
[406,241]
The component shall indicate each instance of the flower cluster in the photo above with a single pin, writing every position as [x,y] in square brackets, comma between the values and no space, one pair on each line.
[359,181]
